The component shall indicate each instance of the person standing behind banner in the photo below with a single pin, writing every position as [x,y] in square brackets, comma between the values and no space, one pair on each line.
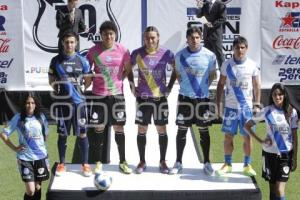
[241,76]
[32,157]
[110,62]
[280,146]
[151,94]
[215,13]
[67,72]
[196,68]
[69,18]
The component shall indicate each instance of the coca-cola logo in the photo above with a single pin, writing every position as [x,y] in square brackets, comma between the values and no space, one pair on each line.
[4,45]
[286,43]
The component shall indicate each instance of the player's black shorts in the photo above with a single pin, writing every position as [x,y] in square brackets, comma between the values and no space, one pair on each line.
[71,114]
[276,168]
[148,107]
[35,171]
[108,110]
[192,111]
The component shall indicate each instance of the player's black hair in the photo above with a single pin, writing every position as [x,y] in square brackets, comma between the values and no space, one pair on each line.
[108,25]
[240,40]
[193,29]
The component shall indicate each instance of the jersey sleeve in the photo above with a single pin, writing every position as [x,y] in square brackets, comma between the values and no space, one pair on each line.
[133,57]
[85,65]
[294,120]
[171,57]
[52,71]
[45,123]
[213,63]
[12,125]
[89,57]
[126,57]
[223,69]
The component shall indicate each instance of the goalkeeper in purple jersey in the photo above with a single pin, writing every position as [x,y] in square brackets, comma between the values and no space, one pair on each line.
[32,156]
[151,93]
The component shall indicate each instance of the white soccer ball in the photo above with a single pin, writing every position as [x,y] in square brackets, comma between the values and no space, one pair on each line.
[102,181]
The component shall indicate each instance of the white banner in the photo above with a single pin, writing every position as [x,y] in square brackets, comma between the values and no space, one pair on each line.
[41,32]
[11,43]
[281,42]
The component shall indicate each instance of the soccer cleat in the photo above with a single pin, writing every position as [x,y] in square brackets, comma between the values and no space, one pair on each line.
[224,170]
[86,170]
[207,168]
[141,167]
[98,168]
[163,168]
[249,171]
[177,168]
[60,169]
[125,168]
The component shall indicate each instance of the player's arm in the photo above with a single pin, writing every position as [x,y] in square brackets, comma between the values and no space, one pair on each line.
[220,89]
[256,90]
[8,142]
[172,78]
[212,76]
[129,74]
[295,149]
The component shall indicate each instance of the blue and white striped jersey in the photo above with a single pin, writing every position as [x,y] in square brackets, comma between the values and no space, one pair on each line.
[30,135]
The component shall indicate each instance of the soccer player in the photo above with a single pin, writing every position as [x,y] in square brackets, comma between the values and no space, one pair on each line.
[241,76]
[32,128]
[151,93]
[280,144]
[110,61]
[196,69]
[66,74]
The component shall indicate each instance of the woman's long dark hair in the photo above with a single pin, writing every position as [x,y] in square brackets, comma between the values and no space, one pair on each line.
[286,102]
[37,111]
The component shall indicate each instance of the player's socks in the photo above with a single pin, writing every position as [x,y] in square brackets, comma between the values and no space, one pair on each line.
[205,143]
[98,147]
[163,143]
[141,142]
[180,142]
[120,140]
[84,149]
[62,146]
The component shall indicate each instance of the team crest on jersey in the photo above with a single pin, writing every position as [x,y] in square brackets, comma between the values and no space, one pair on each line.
[69,69]
[166,113]
[120,115]
[26,171]
[279,119]
[179,117]
[41,170]
[286,169]
[81,121]
[108,59]
[139,113]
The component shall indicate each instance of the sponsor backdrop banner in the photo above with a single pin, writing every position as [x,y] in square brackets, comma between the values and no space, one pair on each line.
[11,45]
[273,36]
[281,42]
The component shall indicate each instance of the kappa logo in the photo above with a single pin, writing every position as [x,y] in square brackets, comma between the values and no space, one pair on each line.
[287,4]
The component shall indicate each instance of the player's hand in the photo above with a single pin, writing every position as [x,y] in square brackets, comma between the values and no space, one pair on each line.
[267,142]
[200,3]
[20,148]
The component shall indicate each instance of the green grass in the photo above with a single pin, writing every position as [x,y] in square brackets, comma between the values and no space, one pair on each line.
[12,188]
